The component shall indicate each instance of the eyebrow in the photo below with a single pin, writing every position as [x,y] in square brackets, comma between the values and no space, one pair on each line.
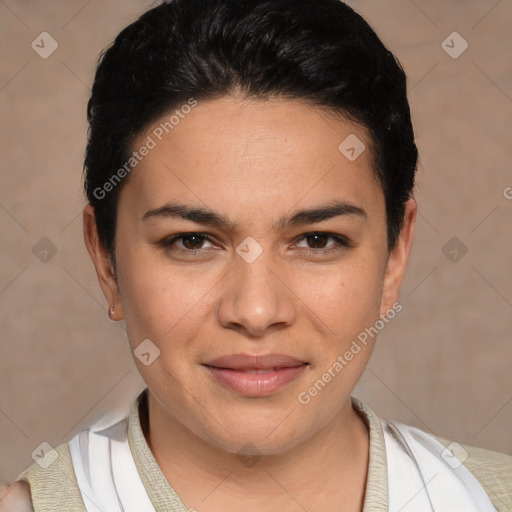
[208,217]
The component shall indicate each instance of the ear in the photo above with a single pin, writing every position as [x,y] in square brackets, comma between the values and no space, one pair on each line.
[102,263]
[397,259]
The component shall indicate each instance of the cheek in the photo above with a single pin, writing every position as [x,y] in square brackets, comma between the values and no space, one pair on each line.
[342,303]
[159,301]
[345,297]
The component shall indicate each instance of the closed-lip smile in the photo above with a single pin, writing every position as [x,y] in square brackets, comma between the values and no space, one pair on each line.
[255,375]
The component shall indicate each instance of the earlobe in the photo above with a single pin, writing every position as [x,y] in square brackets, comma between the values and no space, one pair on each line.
[397,260]
[103,264]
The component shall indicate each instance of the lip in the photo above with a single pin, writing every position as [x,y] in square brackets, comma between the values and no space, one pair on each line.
[254,362]
[256,375]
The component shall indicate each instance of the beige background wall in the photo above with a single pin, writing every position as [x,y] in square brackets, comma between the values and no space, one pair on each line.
[443,364]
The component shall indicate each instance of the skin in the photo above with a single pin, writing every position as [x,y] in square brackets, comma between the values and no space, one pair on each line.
[254,162]
[15,498]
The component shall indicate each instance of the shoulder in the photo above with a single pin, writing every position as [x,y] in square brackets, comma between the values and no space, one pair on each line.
[492,469]
[15,498]
[52,482]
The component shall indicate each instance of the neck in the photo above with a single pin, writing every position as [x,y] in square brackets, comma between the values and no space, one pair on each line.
[327,471]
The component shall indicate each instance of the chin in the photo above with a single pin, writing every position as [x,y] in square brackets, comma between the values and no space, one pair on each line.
[253,436]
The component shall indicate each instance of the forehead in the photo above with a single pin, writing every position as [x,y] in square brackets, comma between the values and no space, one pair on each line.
[254,154]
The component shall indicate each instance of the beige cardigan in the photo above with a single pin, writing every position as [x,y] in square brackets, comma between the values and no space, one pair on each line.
[55,489]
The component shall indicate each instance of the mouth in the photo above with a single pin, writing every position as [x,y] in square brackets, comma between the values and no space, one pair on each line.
[255,375]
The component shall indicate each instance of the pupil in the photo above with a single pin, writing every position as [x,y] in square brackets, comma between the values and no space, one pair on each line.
[323,238]
[189,237]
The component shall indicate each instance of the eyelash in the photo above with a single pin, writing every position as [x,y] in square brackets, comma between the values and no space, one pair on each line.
[342,242]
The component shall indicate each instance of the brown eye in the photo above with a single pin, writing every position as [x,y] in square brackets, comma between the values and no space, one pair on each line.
[186,242]
[319,242]
[192,241]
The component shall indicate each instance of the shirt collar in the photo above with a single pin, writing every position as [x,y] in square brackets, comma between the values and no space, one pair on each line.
[165,499]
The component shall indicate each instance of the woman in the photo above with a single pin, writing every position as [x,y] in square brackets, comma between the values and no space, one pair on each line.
[249,175]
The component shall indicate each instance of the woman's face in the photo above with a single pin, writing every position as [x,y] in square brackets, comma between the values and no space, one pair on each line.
[250,282]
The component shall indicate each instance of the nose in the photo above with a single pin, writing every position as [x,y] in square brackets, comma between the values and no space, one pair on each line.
[256,298]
